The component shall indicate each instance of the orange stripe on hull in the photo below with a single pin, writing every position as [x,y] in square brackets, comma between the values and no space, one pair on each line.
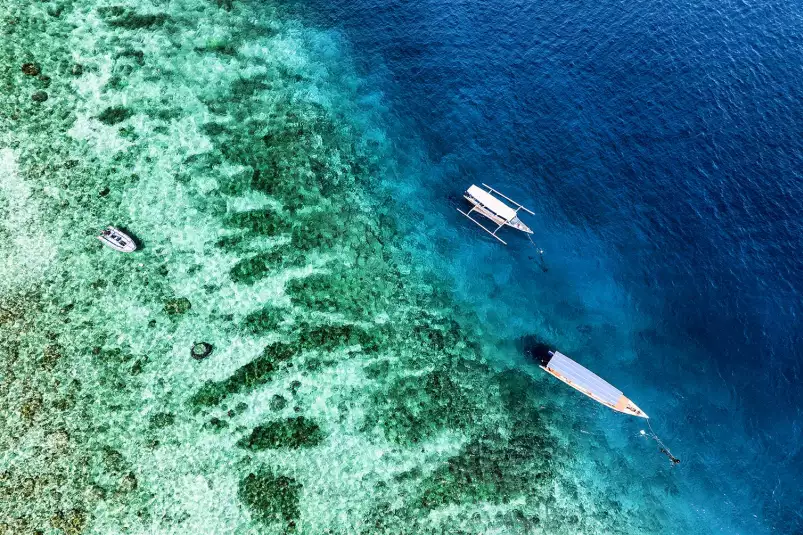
[623,404]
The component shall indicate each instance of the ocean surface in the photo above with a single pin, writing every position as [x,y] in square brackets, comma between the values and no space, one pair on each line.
[291,171]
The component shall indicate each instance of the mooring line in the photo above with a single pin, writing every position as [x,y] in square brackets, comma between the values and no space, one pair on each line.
[664,448]
[540,254]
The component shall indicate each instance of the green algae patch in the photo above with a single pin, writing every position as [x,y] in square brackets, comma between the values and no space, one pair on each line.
[246,378]
[413,408]
[292,433]
[114,115]
[271,498]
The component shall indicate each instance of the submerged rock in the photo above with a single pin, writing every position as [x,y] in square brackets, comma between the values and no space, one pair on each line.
[39,96]
[277,402]
[201,350]
[177,306]
[31,69]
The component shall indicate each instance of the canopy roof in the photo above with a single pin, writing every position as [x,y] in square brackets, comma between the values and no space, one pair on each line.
[492,203]
[582,377]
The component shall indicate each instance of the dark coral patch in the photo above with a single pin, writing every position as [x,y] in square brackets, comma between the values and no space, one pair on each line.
[263,321]
[177,306]
[31,69]
[271,498]
[121,17]
[346,292]
[114,114]
[162,419]
[414,408]
[293,433]
[491,468]
[258,221]
[328,337]
[254,268]
[247,377]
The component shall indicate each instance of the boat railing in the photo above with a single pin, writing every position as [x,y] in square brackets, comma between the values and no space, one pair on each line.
[490,189]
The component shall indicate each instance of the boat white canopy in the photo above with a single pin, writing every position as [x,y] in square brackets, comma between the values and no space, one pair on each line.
[491,203]
[584,378]
[590,384]
[486,204]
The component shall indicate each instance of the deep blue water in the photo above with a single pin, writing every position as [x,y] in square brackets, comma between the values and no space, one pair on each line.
[661,147]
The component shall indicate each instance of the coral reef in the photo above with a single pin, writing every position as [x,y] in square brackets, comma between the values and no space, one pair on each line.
[218,130]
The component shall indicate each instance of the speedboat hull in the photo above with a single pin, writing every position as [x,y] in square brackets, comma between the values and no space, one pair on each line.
[118,240]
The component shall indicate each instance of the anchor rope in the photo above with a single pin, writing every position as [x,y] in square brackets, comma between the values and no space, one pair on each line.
[540,253]
[658,440]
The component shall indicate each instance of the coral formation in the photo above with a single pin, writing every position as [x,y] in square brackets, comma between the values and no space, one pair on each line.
[290,433]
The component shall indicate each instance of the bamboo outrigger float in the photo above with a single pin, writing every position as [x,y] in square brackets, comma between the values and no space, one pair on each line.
[489,206]
[587,382]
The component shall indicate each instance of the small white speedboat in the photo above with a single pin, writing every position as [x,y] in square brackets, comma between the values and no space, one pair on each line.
[118,240]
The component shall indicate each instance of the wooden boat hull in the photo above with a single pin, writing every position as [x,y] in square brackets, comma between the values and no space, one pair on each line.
[588,383]
[623,404]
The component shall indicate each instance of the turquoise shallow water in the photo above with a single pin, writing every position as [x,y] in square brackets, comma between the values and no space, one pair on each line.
[364,378]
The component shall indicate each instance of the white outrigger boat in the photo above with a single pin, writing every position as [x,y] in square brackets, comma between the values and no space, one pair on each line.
[489,206]
[587,382]
[117,240]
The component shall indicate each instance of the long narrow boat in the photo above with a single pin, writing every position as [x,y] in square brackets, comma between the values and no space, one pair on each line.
[587,382]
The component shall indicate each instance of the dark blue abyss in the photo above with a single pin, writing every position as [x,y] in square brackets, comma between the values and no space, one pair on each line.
[660,144]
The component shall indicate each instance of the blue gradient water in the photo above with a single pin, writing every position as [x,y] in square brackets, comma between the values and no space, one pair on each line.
[659,144]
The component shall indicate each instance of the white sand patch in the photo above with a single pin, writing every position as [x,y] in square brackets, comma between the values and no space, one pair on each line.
[27,248]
